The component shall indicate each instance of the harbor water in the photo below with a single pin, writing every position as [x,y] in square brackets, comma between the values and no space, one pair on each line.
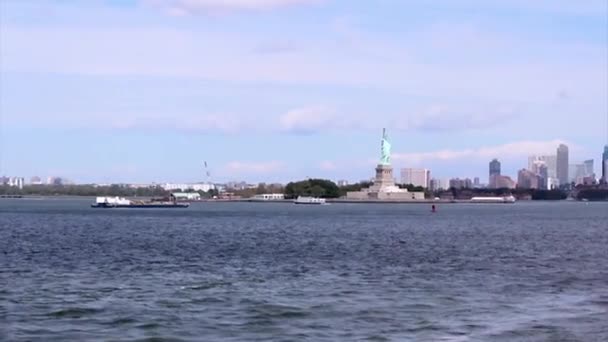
[535,271]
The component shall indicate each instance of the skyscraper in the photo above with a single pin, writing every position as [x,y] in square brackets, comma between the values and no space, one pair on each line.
[589,171]
[562,164]
[494,173]
[549,160]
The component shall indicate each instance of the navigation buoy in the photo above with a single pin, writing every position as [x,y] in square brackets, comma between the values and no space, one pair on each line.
[433,209]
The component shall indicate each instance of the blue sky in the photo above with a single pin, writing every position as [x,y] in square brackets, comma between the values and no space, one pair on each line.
[273,90]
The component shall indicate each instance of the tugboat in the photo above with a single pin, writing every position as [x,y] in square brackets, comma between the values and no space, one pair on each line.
[309,200]
[120,202]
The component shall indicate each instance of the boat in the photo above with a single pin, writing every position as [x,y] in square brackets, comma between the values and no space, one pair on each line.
[309,200]
[503,199]
[120,202]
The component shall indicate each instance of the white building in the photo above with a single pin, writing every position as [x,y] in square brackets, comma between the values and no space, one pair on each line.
[550,161]
[16,182]
[416,177]
[186,196]
[269,197]
[188,186]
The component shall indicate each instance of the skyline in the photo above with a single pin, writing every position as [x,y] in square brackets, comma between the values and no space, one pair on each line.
[276,90]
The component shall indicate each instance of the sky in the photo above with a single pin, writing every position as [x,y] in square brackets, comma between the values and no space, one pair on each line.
[277,90]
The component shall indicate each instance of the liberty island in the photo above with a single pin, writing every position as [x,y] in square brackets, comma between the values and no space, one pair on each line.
[384,188]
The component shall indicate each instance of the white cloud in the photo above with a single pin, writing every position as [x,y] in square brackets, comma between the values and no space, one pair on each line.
[238,167]
[184,123]
[308,120]
[505,151]
[187,7]
[327,165]
[534,70]
[586,7]
[455,118]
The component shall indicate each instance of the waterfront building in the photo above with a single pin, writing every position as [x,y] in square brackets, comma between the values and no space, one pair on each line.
[35,180]
[562,164]
[416,177]
[18,182]
[269,197]
[186,196]
[188,186]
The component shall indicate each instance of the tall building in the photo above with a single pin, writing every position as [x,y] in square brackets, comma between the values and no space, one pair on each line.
[494,173]
[605,164]
[416,177]
[435,184]
[562,164]
[503,182]
[589,169]
[577,173]
[527,179]
[458,183]
[549,160]
[35,180]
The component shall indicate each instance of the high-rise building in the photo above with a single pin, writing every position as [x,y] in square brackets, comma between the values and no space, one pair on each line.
[416,177]
[458,183]
[589,170]
[435,185]
[494,173]
[562,164]
[527,179]
[549,160]
[605,164]
[35,180]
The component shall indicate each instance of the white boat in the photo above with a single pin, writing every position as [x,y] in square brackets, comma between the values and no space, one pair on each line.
[309,200]
[504,199]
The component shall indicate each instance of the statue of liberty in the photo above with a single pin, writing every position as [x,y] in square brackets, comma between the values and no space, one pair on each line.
[385,159]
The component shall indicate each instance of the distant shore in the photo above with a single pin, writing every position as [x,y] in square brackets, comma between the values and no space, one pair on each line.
[284,201]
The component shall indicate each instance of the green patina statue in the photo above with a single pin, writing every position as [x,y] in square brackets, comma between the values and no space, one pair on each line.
[385,159]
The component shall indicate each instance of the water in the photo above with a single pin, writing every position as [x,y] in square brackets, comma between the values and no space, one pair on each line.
[280,272]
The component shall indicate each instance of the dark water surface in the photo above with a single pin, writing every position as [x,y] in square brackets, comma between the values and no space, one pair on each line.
[279,272]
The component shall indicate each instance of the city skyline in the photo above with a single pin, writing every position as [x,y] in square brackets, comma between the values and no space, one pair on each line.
[145,91]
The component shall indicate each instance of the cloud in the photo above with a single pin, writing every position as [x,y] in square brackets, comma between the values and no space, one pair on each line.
[444,117]
[587,7]
[274,47]
[183,123]
[189,7]
[505,151]
[327,165]
[237,167]
[308,120]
